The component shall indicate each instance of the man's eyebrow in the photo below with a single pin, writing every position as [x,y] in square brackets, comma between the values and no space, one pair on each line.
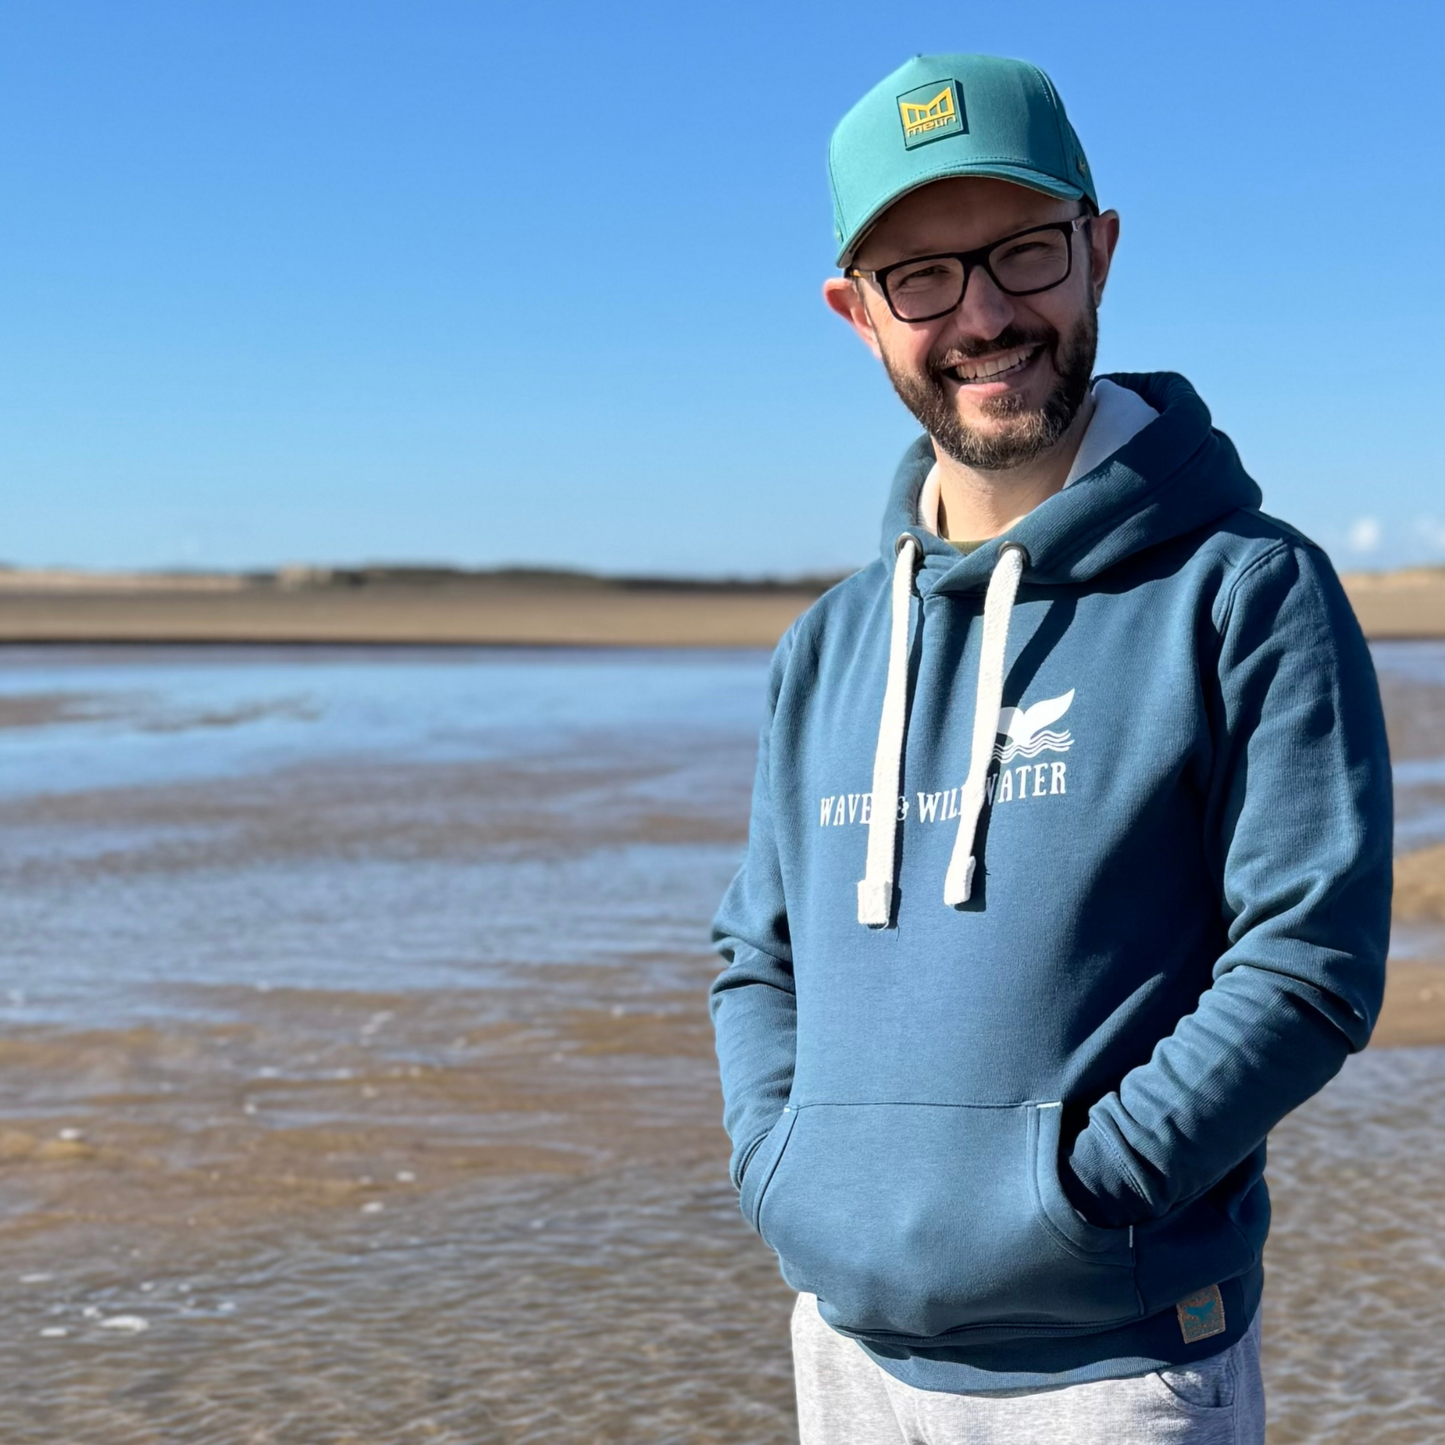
[956,250]
[922,253]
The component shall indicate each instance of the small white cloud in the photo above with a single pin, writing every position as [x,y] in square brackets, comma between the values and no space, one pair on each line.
[1365,534]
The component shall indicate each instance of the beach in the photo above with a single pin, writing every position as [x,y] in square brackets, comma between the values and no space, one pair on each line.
[356,1080]
[402,606]
[562,610]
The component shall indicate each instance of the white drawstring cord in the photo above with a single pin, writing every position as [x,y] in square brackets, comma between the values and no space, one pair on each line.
[875,891]
[998,604]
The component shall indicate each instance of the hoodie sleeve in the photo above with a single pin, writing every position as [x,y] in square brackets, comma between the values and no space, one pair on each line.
[752,1002]
[1299,835]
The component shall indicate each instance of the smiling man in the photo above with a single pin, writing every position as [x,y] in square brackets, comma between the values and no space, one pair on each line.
[1068,873]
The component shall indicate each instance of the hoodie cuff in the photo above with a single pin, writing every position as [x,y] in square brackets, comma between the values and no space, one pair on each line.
[1098,1187]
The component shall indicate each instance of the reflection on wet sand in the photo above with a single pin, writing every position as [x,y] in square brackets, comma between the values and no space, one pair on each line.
[371,1097]
[517,1225]
[41,709]
[312,1099]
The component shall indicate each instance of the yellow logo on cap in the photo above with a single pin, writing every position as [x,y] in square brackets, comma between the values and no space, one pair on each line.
[920,118]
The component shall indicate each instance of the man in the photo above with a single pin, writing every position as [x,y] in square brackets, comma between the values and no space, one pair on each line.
[1069,865]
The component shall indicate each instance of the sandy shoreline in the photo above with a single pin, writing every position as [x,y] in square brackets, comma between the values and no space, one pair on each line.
[1405,604]
[501,610]
[1414,1011]
[480,613]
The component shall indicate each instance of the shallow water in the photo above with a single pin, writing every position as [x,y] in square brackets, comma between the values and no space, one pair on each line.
[353,1039]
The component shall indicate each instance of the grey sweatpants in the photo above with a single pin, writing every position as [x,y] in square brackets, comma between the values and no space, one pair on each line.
[844,1398]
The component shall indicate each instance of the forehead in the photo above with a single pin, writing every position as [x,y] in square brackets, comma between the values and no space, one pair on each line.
[956,214]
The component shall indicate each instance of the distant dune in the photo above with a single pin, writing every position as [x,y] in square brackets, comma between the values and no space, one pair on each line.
[389,605]
[441,605]
[1408,603]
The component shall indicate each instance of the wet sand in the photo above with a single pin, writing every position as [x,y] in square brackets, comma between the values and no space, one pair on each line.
[1420,885]
[305,1102]
[1414,1011]
[562,611]
[359,1087]
[35,710]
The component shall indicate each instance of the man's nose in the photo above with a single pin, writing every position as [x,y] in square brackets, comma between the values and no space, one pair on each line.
[984,310]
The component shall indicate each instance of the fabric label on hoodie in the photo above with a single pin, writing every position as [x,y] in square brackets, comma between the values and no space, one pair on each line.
[1201,1315]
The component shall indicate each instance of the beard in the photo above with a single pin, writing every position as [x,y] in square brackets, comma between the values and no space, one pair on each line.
[1025,433]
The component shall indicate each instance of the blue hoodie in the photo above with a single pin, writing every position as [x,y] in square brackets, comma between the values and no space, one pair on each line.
[1053,905]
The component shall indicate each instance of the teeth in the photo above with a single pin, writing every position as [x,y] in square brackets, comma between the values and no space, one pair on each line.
[989,367]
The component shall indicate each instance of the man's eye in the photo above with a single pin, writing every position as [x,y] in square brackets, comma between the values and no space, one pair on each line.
[1023,250]
[923,276]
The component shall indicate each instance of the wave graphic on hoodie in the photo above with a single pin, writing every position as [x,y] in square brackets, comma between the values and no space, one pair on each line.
[1027,729]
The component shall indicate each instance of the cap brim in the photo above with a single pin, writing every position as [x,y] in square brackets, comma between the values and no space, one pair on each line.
[1019,175]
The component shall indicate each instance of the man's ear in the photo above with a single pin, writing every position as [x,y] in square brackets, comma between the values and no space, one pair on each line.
[1103,237]
[846,298]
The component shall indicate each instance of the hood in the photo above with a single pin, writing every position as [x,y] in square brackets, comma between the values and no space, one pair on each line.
[1176,475]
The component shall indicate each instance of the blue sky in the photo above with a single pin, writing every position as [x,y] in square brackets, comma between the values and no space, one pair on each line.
[487,283]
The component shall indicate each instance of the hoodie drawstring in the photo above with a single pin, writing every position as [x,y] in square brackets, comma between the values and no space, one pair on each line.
[998,604]
[875,891]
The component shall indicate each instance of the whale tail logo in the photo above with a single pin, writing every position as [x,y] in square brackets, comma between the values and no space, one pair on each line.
[1028,732]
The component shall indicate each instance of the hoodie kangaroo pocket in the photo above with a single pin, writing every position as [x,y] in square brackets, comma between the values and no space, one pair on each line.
[911,1221]
[762,1162]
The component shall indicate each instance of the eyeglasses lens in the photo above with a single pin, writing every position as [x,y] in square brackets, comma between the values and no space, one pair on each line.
[935,286]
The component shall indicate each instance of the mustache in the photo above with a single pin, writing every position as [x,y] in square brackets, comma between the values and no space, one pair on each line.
[1009,339]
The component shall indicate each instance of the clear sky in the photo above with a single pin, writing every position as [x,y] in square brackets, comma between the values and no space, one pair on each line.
[350,280]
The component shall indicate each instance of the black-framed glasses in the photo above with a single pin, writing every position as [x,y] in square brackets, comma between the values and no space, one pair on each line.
[924,288]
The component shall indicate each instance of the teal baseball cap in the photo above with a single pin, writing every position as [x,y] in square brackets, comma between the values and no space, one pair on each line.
[951,115]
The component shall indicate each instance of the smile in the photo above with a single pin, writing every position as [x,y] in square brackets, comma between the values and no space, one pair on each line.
[993,368]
